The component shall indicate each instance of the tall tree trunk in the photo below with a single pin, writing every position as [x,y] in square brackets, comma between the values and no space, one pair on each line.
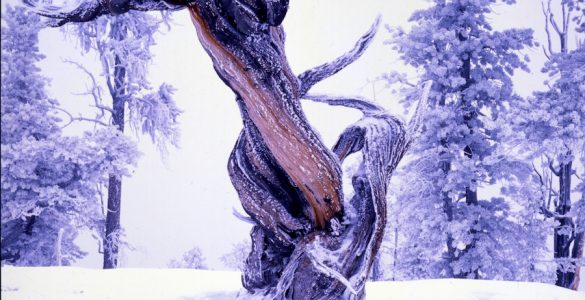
[448,210]
[112,234]
[564,235]
[566,228]
[58,244]
[577,253]
[469,115]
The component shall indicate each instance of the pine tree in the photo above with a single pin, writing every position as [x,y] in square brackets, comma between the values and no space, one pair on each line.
[236,258]
[552,123]
[49,181]
[447,227]
[192,259]
[123,45]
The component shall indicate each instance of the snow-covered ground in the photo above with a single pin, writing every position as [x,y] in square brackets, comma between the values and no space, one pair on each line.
[62,283]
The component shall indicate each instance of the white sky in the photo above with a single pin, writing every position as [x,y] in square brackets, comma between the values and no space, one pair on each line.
[169,207]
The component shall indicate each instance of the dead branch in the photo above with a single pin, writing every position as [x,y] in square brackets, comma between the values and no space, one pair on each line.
[94,91]
[89,10]
[367,107]
[319,73]
[79,118]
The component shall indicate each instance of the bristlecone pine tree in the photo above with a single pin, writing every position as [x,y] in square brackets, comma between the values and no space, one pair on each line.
[309,242]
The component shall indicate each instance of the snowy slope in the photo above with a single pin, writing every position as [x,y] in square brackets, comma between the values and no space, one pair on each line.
[78,283]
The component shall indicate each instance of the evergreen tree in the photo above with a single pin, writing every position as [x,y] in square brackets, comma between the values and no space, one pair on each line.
[123,44]
[192,259]
[49,181]
[552,127]
[447,227]
[236,258]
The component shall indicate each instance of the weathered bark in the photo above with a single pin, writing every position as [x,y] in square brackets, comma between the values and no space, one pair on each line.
[303,246]
[111,237]
[255,67]
[308,242]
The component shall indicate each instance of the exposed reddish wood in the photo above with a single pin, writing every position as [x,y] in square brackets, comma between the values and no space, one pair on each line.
[297,149]
[284,175]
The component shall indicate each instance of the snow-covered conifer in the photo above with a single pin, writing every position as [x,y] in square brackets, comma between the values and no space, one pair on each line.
[50,182]
[123,44]
[448,223]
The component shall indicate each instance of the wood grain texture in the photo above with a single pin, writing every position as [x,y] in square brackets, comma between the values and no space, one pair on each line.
[308,241]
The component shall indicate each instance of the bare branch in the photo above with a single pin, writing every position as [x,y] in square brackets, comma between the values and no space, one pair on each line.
[538,173]
[544,207]
[546,28]
[546,54]
[416,122]
[566,20]
[551,192]
[552,168]
[106,68]
[564,15]
[89,10]
[552,214]
[317,74]
[80,118]
[102,107]
[101,196]
[242,217]
[553,22]
[94,91]
[365,106]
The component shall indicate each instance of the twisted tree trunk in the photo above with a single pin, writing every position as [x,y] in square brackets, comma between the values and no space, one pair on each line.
[308,242]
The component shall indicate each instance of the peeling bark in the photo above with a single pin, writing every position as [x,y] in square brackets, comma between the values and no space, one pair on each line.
[308,242]
[255,68]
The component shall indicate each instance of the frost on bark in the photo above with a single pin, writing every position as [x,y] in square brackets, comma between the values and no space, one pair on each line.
[308,242]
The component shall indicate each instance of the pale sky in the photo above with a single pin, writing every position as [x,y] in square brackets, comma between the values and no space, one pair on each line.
[170,206]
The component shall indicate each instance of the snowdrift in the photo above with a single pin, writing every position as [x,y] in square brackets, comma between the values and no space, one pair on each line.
[77,283]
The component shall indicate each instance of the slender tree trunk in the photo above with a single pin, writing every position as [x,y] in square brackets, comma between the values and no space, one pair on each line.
[566,228]
[395,254]
[469,115]
[58,244]
[112,234]
[445,166]
[577,253]
[448,210]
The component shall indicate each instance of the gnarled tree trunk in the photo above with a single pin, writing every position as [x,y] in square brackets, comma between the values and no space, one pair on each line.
[309,241]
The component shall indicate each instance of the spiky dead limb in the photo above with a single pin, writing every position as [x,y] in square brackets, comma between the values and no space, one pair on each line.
[308,242]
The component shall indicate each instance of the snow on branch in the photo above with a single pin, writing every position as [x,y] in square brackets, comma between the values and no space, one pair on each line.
[78,11]
[317,74]
[365,106]
[415,125]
